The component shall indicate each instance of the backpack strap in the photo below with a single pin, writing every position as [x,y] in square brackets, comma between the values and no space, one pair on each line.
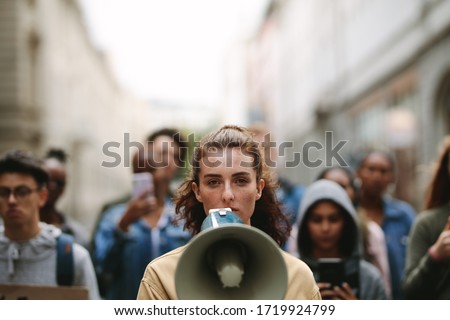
[64,260]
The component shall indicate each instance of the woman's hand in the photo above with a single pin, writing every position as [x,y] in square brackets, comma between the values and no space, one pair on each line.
[138,207]
[440,250]
[343,292]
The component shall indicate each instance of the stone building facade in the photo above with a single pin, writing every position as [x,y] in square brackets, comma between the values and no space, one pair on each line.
[58,90]
[374,73]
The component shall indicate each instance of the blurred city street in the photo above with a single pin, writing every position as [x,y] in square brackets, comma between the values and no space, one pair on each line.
[80,74]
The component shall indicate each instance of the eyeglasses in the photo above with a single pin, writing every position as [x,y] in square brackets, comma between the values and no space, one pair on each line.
[19,193]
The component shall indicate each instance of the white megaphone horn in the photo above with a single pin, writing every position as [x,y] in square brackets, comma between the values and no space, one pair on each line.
[230,260]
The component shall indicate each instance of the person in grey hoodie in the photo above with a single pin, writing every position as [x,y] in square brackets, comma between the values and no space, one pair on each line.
[327,227]
[28,249]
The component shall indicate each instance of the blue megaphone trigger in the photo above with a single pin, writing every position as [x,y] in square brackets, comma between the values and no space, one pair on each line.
[218,217]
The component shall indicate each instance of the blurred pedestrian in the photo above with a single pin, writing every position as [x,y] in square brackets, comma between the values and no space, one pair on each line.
[132,234]
[374,242]
[55,165]
[327,227]
[376,173]
[28,247]
[427,274]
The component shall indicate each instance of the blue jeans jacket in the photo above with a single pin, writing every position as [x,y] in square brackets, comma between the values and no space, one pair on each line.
[398,219]
[290,197]
[121,258]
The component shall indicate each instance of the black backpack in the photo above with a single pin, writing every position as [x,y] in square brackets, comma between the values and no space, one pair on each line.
[65,269]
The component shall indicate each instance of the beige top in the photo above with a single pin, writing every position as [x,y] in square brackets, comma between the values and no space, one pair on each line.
[158,282]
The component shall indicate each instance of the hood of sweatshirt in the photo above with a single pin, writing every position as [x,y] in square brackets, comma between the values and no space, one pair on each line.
[38,248]
[327,190]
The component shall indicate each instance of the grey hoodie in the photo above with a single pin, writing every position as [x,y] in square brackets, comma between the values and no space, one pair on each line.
[370,281]
[34,261]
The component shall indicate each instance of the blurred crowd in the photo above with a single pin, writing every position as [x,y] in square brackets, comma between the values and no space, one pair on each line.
[346,218]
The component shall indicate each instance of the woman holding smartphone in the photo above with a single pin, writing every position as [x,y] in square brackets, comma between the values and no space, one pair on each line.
[133,233]
[326,236]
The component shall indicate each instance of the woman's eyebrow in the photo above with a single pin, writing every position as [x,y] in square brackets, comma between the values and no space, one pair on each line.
[243,173]
[212,175]
[216,175]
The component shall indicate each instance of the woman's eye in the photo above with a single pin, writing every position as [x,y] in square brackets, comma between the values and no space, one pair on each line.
[213,182]
[316,220]
[335,219]
[241,181]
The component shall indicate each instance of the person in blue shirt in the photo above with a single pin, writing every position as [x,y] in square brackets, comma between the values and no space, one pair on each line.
[376,173]
[290,195]
[131,234]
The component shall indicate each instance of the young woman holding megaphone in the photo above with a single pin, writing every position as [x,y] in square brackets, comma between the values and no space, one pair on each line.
[236,252]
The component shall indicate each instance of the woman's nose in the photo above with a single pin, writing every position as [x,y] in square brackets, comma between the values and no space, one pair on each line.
[325,225]
[228,194]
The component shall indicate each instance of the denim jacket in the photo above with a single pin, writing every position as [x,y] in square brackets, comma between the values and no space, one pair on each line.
[398,219]
[121,257]
[290,196]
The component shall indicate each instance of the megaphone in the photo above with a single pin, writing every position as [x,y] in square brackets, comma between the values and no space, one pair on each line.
[230,260]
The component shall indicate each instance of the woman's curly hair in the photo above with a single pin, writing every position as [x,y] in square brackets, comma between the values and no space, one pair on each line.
[267,216]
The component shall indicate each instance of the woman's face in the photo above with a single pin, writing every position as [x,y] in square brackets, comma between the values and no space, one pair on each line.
[227,180]
[325,225]
[163,157]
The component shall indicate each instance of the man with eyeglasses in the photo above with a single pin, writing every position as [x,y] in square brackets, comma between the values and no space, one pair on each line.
[28,252]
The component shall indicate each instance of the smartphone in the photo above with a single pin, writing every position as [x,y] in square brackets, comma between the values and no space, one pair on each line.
[142,181]
[332,270]
[335,271]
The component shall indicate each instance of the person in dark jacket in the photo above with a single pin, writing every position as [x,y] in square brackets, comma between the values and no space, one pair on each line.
[327,227]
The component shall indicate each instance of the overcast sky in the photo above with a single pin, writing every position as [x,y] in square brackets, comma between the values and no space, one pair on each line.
[171,49]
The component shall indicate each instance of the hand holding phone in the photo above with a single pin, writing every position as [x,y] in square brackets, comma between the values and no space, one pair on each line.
[332,271]
[143,182]
[139,205]
[338,279]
